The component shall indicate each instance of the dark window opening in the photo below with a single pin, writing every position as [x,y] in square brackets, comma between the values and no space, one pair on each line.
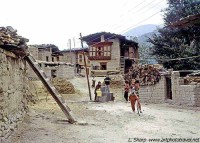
[128,65]
[103,66]
[47,58]
[169,88]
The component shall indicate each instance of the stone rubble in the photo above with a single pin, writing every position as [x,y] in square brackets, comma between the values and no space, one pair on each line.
[9,36]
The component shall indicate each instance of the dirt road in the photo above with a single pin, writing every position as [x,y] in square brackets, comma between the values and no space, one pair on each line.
[106,122]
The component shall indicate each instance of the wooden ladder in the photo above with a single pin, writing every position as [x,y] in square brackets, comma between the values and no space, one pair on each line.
[122,64]
[50,87]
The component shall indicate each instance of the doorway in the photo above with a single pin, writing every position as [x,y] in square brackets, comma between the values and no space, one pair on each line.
[169,87]
[128,65]
[103,66]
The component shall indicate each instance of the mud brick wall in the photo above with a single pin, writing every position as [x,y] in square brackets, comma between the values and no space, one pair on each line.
[30,73]
[33,51]
[68,58]
[154,93]
[188,95]
[65,72]
[43,53]
[13,93]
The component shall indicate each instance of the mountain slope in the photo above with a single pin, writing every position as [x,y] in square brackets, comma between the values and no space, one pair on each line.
[141,30]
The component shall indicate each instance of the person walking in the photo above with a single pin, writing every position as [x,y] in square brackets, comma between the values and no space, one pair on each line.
[134,96]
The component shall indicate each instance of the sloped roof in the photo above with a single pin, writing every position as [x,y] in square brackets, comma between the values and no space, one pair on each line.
[76,49]
[187,21]
[96,37]
[47,46]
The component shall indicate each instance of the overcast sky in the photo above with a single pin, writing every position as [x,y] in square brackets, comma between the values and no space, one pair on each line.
[55,21]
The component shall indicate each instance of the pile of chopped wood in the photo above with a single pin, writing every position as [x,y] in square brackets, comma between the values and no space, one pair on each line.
[190,79]
[146,74]
[63,86]
[9,36]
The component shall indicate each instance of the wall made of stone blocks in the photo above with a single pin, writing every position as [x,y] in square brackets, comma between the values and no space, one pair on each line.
[154,93]
[68,58]
[33,51]
[13,93]
[65,72]
[188,95]
[42,54]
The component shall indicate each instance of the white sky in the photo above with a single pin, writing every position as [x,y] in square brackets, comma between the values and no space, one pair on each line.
[55,21]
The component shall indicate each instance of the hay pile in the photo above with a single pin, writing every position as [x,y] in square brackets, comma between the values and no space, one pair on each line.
[63,86]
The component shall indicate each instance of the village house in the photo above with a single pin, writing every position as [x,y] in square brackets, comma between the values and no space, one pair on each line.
[111,52]
[52,61]
[76,57]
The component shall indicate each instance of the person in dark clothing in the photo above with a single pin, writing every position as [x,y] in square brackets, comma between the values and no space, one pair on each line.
[107,83]
[126,90]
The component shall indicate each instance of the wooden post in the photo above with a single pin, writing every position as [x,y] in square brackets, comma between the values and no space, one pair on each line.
[85,67]
[70,47]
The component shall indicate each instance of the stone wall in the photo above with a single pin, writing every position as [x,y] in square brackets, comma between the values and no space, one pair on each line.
[33,51]
[44,53]
[13,92]
[188,95]
[154,93]
[65,72]
[68,58]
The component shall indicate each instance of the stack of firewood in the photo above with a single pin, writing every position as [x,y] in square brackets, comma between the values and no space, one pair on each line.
[190,79]
[9,36]
[146,74]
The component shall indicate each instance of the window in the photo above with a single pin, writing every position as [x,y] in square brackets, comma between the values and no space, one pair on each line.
[58,59]
[52,59]
[99,51]
[47,58]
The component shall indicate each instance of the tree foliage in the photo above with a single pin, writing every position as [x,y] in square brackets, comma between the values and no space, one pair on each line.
[173,43]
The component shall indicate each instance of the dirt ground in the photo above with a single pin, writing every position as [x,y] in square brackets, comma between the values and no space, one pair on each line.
[106,122]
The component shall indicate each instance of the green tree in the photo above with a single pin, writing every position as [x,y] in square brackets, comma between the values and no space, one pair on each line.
[173,43]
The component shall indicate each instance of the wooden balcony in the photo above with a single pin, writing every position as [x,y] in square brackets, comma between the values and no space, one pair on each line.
[99,57]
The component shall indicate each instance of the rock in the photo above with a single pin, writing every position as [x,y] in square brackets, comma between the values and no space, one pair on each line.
[10,38]
[5,119]
[1,90]
[1,116]
[1,134]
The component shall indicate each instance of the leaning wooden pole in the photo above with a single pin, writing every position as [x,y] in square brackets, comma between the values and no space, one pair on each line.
[86,71]
[50,87]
